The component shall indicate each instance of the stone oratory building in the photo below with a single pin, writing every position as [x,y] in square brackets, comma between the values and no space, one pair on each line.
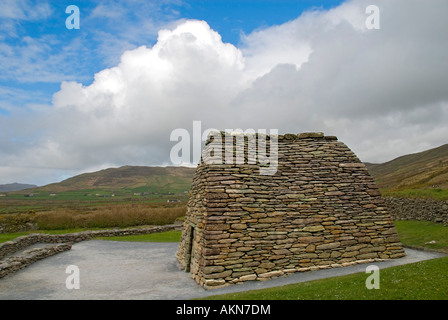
[317,208]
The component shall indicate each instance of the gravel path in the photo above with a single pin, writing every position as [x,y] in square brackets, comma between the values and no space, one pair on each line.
[113,270]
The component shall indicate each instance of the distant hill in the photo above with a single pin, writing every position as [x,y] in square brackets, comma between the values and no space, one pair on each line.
[133,177]
[427,169]
[15,187]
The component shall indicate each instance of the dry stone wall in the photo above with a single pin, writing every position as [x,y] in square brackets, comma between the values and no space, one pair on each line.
[320,209]
[16,262]
[418,209]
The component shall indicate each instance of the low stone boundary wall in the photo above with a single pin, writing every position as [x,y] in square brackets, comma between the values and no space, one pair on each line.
[62,242]
[15,263]
[418,209]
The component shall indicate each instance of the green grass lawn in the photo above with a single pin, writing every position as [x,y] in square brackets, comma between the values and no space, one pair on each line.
[169,236]
[427,280]
[425,193]
[11,236]
[422,233]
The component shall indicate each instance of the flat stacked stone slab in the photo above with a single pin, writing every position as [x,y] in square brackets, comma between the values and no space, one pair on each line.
[320,209]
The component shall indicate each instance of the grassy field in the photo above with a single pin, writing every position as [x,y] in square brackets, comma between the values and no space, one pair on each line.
[423,234]
[169,236]
[425,193]
[89,208]
[85,215]
[11,236]
[46,201]
[427,280]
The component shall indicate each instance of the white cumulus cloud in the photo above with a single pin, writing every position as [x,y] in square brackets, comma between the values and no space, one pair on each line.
[383,92]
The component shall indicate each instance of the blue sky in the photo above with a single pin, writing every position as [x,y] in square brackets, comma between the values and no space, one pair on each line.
[232,17]
[110,93]
[108,28]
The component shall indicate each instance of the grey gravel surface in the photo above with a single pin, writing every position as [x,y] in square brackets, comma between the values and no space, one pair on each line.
[114,270]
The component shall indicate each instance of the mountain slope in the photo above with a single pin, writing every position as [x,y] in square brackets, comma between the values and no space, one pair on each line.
[427,169]
[151,178]
[15,187]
